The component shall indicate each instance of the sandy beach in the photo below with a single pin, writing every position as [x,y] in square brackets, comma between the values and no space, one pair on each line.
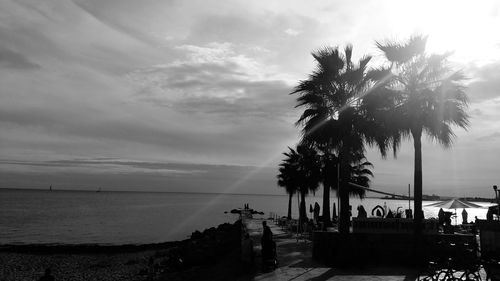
[101,267]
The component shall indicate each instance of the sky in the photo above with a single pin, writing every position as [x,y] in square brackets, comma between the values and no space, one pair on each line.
[193,96]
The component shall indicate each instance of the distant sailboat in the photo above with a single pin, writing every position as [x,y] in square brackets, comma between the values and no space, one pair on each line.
[99,190]
[50,188]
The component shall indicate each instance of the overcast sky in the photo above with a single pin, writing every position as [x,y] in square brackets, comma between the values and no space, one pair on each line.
[193,95]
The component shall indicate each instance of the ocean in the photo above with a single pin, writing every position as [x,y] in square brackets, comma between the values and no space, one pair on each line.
[113,218]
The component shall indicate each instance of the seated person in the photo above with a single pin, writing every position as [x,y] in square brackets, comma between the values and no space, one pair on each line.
[448,228]
[247,250]
[47,276]
[362,212]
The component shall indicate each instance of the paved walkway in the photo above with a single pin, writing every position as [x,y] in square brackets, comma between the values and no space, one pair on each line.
[296,263]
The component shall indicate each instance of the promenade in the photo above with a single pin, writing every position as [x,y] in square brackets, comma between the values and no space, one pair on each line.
[296,263]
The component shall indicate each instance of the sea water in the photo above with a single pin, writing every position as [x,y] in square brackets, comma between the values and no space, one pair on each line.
[76,217]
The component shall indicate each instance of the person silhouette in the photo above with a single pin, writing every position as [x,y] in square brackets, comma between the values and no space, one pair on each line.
[247,251]
[267,234]
[266,242]
[441,217]
[489,215]
[47,276]
[316,211]
[362,212]
[389,215]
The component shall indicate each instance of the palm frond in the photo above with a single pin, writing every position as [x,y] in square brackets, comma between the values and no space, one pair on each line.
[400,53]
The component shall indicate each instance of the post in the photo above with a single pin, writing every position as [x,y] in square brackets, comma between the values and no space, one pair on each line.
[298,221]
[338,193]
[409,197]
[495,188]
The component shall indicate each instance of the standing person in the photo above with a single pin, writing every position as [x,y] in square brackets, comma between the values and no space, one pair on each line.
[47,276]
[464,216]
[489,215]
[247,251]
[316,212]
[267,243]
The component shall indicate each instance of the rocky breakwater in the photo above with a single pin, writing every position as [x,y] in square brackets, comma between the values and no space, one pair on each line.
[204,250]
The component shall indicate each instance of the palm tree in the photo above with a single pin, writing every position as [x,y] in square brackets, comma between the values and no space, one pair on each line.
[329,178]
[309,175]
[334,119]
[286,179]
[418,94]
[300,171]
[360,175]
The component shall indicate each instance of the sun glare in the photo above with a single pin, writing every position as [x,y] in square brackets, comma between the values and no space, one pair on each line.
[465,28]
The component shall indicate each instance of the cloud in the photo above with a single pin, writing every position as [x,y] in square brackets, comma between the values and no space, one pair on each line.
[477,112]
[107,165]
[61,36]
[216,80]
[119,174]
[490,137]
[486,82]
[129,23]
[14,60]
[292,32]
[205,91]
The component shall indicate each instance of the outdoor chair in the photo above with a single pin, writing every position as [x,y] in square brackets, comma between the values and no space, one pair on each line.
[489,235]
[305,234]
[283,223]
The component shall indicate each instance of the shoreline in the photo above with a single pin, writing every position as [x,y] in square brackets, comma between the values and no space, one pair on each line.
[87,248]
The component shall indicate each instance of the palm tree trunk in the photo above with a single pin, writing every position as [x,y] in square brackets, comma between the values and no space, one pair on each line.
[289,215]
[326,205]
[345,213]
[303,212]
[417,179]
[344,216]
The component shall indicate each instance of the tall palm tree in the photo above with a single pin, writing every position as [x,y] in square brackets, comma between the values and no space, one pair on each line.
[419,94]
[334,119]
[300,171]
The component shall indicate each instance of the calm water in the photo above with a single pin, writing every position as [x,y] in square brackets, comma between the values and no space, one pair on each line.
[73,217]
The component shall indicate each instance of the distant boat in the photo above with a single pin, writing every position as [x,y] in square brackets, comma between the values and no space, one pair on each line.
[50,188]
[99,190]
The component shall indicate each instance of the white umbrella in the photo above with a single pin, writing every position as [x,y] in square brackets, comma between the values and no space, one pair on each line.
[455,204]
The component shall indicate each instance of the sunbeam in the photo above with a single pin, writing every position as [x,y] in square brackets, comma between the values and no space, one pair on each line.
[229,190]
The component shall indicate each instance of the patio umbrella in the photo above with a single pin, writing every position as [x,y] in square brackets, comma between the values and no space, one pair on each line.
[455,204]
